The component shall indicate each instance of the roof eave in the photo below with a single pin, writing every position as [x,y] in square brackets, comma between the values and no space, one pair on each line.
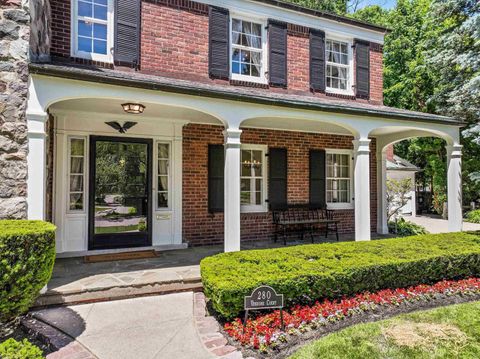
[326,15]
[100,77]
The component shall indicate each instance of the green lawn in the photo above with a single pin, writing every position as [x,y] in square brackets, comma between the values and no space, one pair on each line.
[449,332]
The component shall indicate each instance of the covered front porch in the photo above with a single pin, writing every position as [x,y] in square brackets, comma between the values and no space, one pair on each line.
[178,182]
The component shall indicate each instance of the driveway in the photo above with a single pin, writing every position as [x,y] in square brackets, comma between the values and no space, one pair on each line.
[436,224]
[140,328]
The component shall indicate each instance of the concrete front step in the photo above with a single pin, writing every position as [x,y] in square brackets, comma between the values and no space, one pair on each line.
[52,297]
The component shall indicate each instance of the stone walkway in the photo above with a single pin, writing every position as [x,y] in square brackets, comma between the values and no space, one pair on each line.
[141,328]
[436,224]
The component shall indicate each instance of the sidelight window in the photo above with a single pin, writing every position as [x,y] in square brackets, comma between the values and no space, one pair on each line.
[76,173]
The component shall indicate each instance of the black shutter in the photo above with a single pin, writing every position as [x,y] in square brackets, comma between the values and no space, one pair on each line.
[277,186]
[362,70]
[127,32]
[218,61]
[318,183]
[216,163]
[277,53]
[317,60]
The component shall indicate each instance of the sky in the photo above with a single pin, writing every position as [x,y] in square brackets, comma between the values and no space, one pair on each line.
[387,4]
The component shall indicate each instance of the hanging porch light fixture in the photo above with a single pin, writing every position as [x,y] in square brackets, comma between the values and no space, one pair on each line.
[134,108]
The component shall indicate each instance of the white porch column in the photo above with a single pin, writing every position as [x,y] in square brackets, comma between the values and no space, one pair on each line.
[382,220]
[454,193]
[232,190]
[362,188]
[36,158]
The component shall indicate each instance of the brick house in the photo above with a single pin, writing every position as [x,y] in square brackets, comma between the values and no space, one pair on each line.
[169,123]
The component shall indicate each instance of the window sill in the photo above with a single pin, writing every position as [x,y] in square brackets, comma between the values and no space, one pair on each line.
[340,206]
[253,210]
[246,83]
[249,79]
[346,96]
[108,59]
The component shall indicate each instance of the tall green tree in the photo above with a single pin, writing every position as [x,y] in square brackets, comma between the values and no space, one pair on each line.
[455,56]
[333,6]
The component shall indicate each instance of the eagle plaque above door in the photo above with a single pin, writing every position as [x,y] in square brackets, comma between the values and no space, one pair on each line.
[121,129]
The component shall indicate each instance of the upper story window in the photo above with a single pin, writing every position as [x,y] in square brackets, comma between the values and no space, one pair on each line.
[248,50]
[339,67]
[92,35]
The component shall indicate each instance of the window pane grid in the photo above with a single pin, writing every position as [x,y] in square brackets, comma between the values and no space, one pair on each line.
[76,181]
[163,175]
[246,48]
[338,178]
[92,23]
[337,65]
[251,181]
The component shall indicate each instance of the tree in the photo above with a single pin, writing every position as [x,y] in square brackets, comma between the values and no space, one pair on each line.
[397,196]
[455,56]
[374,14]
[333,6]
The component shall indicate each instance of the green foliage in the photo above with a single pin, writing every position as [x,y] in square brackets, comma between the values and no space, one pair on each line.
[473,216]
[373,14]
[333,6]
[27,255]
[397,195]
[12,349]
[311,272]
[403,228]
[370,340]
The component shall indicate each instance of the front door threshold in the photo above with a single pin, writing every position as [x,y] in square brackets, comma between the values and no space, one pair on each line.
[161,248]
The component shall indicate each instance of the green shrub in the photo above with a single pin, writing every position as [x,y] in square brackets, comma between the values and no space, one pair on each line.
[406,228]
[27,255]
[473,216]
[11,349]
[310,272]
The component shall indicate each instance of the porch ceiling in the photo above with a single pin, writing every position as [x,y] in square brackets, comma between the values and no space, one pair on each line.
[114,108]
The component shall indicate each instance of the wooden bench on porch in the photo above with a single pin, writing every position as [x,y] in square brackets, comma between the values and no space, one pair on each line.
[303,219]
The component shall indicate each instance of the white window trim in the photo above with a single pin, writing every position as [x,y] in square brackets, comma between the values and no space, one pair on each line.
[351,81]
[264,70]
[351,204]
[155,180]
[74,38]
[264,206]
[69,168]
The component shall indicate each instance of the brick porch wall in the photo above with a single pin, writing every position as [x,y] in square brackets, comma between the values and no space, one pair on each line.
[200,227]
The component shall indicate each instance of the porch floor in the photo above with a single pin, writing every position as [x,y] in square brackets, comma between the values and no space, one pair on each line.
[74,281]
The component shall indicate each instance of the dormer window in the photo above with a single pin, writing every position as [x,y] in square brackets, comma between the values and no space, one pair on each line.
[248,55]
[339,66]
[92,27]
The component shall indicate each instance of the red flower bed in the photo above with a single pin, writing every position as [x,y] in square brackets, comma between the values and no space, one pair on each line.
[265,331]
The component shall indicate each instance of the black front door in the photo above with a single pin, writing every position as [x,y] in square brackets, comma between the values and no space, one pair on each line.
[120,210]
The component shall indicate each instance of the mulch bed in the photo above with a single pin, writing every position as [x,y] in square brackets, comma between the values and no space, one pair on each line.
[15,330]
[308,323]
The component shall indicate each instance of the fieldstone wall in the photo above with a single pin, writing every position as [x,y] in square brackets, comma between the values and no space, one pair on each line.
[14,47]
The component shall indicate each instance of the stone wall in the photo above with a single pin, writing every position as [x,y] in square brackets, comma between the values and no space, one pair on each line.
[14,44]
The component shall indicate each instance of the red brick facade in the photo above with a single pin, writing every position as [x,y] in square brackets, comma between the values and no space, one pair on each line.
[174,43]
[201,227]
[174,39]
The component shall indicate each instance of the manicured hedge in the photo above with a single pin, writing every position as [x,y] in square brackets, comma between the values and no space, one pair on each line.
[310,272]
[11,349]
[27,255]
